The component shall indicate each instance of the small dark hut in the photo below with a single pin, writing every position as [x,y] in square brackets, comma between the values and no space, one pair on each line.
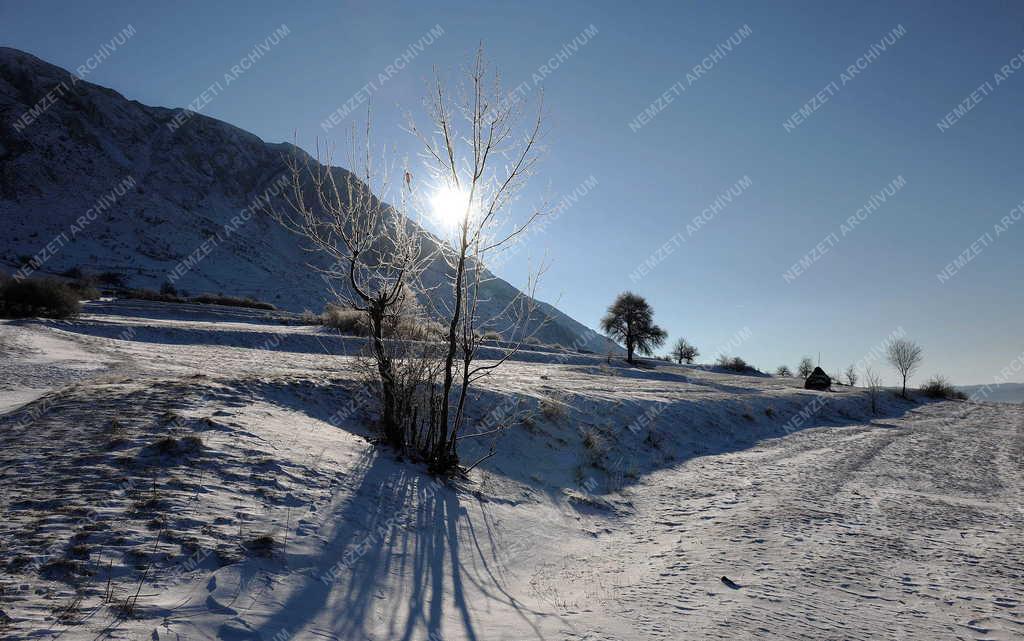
[818,380]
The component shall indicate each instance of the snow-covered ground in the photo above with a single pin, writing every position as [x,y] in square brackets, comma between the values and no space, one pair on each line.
[191,473]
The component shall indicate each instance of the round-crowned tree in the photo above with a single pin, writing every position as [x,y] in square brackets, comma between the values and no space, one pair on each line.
[683,351]
[630,320]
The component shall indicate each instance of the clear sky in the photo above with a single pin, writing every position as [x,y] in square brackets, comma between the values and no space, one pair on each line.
[867,127]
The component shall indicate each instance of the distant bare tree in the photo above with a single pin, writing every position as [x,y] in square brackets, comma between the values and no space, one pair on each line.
[905,355]
[783,371]
[805,367]
[631,320]
[874,385]
[734,363]
[851,375]
[683,351]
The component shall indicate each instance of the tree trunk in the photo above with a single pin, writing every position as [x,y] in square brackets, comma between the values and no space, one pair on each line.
[391,422]
[441,444]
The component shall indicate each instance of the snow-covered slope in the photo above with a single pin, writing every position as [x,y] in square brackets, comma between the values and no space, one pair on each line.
[215,465]
[162,192]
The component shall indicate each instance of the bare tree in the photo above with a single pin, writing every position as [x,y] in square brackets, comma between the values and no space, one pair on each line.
[631,320]
[684,351]
[905,355]
[805,367]
[478,160]
[851,375]
[783,371]
[874,386]
[375,256]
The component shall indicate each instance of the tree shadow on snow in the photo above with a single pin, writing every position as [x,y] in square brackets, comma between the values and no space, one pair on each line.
[393,565]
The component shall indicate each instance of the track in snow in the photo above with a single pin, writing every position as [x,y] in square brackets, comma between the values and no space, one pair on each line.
[906,527]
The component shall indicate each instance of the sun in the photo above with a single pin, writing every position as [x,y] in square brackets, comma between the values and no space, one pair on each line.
[448,205]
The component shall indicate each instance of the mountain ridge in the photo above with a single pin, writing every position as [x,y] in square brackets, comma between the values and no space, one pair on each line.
[995,392]
[68,145]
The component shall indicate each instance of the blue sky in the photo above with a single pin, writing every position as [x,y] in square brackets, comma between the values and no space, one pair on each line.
[726,279]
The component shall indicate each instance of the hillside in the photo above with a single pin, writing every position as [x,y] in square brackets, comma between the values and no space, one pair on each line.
[162,192]
[231,493]
[995,392]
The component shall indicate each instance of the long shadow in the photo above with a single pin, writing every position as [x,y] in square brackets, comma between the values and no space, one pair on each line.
[156,310]
[398,530]
[308,340]
[639,437]
[672,434]
[343,403]
[397,538]
[353,538]
[321,342]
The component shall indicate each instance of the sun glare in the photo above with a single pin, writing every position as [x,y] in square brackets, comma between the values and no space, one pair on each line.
[448,205]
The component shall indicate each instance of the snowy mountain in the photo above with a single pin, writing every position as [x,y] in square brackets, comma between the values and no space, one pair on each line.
[93,180]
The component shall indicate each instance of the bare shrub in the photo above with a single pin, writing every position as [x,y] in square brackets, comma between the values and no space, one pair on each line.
[149,294]
[734,363]
[423,329]
[169,294]
[404,326]
[806,367]
[851,375]
[262,545]
[346,320]
[45,298]
[595,448]
[873,383]
[783,371]
[939,387]
[553,409]
[232,301]
[192,443]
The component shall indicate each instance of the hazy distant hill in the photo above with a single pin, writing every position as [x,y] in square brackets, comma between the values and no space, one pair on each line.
[1001,393]
[67,145]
